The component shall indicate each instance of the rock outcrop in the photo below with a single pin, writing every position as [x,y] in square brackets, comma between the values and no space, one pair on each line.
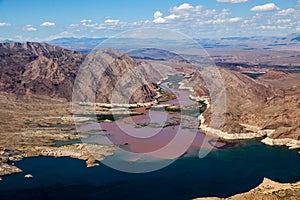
[40,69]
[120,79]
[267,190]
[269,106]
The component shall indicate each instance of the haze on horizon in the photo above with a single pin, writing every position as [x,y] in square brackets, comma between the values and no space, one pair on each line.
[46,20]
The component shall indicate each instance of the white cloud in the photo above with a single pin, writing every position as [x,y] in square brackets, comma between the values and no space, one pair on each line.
[157,14]
[60,35]
[235,19]
[184,6]
[271,27]
[73,25]
[112,21]
[172,17]
[4,24]
[283,21]
[265,7]
[159,20]
[298,29]
[30,28]
[232,1]
[86,21]
[92,25]
[225,12]
[49,24]
[199,21]
[217,21]
[286,12]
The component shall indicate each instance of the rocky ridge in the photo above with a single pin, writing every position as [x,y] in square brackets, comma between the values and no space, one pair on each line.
[267,190]
[40,69]
[253,111]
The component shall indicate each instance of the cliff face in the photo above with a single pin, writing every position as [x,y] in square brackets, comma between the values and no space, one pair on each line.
[284,104]
[267,190]
[271,102]
[120,79]
[38,68]
[41,69]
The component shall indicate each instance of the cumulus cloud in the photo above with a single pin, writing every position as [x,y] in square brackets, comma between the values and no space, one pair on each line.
[157,14]
[235,19]
[184,6]
[172,17]
[265,7]
[269,27]
[86,21]
[232,1]
[4,24]
[112,21]
[48,24]
[158,19]
[283,21]
[199,21]
[73,25]
[30,28]
[288,11]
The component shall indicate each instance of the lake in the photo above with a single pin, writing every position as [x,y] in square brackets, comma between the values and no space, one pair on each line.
[223,172]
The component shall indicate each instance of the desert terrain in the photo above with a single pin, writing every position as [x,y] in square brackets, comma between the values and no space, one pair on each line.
[36,91]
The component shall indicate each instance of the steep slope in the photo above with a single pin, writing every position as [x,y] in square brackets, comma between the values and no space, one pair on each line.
[256,106]
[267,190]
[38,68]
[41,69]
[118,76]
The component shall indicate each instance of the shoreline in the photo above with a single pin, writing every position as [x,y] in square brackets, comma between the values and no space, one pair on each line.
[256,132]
[267,189]
[45,147]
[290,143]
[78,151]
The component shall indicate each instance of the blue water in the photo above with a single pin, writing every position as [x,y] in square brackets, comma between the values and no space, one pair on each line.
[222,173]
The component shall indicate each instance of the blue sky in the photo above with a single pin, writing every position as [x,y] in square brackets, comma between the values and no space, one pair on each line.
[45,20]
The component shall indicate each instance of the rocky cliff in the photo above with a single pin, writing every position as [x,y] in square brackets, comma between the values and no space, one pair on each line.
[267,190]
[120,79]
[268,106]
[40,69]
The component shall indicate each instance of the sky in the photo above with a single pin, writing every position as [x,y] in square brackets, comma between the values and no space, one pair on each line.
[34,20]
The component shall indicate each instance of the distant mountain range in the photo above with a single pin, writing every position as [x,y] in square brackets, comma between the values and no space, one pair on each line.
[83,44]
[155,54]
[86,45]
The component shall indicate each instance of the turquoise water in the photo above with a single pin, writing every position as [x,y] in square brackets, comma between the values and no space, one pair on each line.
[222,173]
